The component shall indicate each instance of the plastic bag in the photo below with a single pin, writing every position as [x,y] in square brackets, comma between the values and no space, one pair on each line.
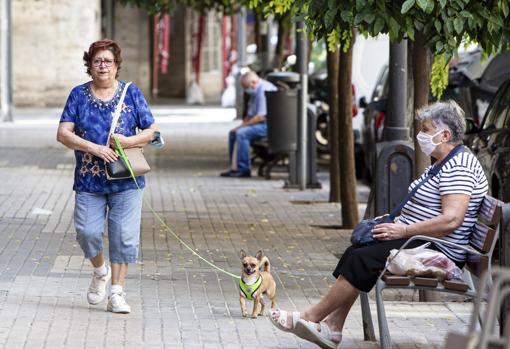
[228,98]
[194,94]
[422,261]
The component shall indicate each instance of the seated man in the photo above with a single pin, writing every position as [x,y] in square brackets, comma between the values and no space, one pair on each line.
[253,127]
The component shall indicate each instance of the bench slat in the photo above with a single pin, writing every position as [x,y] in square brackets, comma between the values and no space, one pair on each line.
[394,280]
[455,284]
[490,211]
[477,265]
[482,237]
[423,281]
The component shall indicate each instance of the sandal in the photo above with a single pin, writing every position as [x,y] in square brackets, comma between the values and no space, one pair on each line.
[320,335]
[281,323]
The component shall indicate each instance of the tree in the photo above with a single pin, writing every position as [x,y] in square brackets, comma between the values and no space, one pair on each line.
[333,131]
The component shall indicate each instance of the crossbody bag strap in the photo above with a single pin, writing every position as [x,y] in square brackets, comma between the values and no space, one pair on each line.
[432,172]
[116,113]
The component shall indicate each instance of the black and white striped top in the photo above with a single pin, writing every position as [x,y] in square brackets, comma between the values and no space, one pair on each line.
[462,174]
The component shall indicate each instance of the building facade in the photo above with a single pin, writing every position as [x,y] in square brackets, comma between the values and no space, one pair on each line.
[50,36]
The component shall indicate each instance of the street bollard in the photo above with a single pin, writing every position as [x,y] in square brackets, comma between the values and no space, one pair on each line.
[504,259]
[312,181]
[393,174]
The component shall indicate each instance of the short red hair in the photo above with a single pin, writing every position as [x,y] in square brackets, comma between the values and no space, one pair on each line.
[105,44]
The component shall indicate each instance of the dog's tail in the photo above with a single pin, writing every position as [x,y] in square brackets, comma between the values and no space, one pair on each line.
[265,262]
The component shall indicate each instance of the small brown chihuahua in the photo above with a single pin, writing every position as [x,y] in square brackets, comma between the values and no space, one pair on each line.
[255,282]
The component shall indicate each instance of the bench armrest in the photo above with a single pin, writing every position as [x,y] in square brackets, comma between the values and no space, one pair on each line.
[466,248]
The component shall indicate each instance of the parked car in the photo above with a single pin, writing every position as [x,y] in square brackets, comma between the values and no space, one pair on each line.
[318,92]
[472,82]
[491,143]
[373,121]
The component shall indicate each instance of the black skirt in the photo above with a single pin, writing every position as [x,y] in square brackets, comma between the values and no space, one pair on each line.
[361,266]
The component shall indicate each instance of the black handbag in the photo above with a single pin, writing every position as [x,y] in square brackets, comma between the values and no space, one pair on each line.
[362,233]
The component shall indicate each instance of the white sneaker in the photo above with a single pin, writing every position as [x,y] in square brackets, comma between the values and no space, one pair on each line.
[117,304]
[97,288]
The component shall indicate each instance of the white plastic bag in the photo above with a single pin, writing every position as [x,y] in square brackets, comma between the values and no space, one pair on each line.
[228,98]
[194,94]
[422,261]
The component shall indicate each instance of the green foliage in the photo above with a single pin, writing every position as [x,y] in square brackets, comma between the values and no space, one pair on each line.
[167,6]
[439,79]
[444,23]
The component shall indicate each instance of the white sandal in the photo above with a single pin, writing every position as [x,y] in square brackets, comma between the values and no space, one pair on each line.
[322,336]
[281,323]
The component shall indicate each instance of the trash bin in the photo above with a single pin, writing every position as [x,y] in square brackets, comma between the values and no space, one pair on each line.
[282,112]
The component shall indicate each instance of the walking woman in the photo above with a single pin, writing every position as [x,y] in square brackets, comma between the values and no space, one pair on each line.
[84,127]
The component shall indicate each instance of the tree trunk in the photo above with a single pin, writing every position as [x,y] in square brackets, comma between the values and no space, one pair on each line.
[346,141]
[333,139]
[422,65]
[283,32]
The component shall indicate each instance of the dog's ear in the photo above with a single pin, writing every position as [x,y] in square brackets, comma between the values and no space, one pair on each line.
[242,254]
[259,255]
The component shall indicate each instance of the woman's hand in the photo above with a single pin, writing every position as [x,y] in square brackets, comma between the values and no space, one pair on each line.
[124,141]
[389,231]
[104,152]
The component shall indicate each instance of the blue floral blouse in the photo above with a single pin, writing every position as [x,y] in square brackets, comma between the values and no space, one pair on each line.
[92,120]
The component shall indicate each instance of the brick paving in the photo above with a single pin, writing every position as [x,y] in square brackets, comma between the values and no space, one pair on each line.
[177,300]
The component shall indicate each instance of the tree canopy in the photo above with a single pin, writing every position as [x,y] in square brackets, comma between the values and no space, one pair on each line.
[445,24]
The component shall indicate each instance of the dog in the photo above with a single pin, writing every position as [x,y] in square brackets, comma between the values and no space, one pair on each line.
[254,283]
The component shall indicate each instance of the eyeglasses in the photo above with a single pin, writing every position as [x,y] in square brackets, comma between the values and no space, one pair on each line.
[107,62]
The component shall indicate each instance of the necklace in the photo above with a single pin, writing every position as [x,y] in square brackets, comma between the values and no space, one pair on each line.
[104,94]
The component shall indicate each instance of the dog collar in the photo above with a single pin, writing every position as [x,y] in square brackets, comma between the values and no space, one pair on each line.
[249,290]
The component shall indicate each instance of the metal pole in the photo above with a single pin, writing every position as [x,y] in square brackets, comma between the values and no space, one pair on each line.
[241,59]
[395,124]
[302,66]
[5,61]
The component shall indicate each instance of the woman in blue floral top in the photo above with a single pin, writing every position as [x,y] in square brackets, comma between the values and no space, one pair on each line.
[84,127]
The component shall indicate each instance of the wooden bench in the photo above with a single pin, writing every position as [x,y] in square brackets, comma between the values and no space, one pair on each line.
[268,160]
[480,248]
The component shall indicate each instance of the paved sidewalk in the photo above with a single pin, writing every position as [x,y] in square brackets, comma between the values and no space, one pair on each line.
[177,300]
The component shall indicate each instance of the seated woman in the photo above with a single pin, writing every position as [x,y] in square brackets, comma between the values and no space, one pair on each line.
[445,207]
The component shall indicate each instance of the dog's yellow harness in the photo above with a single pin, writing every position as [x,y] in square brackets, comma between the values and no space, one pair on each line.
[249,290]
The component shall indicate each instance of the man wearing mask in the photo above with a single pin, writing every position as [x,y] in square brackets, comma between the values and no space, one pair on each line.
[253,127]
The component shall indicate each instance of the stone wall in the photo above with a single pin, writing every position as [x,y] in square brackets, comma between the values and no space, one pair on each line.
[173,84]
[50,36]
[48,41]
[131,31]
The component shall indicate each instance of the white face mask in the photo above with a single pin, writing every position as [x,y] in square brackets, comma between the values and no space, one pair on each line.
[427,145]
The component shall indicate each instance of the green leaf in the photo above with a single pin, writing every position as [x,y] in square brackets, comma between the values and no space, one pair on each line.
[430,7]
[442,3]
[329,18]
[393,26]
[449,26]
[422,4]
[410,32]
[439,46]
[378,25]
[458,24]
[369,17]
[437,24]
[358,18]
[504,8]
[466,14]
[407,5]
[346,16]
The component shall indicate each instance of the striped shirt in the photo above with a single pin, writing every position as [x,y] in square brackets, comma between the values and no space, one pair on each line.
[462,174]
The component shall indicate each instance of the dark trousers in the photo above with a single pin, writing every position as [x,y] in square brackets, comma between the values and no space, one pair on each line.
[361,266]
